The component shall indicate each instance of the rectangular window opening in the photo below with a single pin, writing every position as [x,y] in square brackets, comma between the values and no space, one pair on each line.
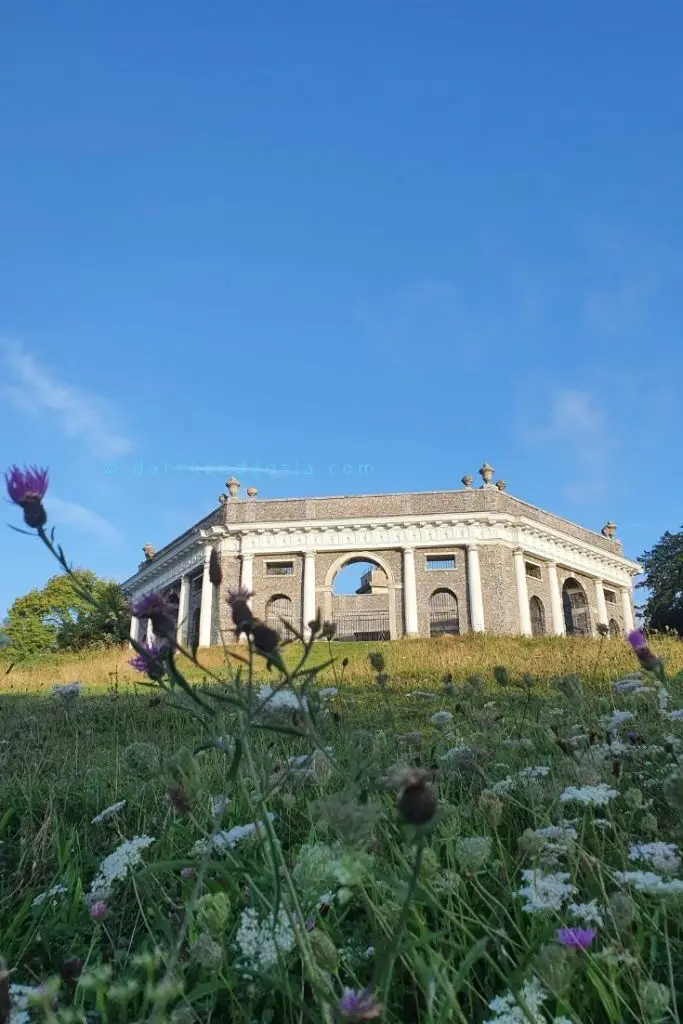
[440,562]
[532,570]
[610,596]
[279,568]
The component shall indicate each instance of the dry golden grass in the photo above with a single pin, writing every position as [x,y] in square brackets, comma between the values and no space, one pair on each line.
[408,661]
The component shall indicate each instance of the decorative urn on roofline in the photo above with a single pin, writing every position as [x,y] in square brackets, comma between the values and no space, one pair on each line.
[609,529]
[252,492]
[233,486]
[486,472]
[467,480]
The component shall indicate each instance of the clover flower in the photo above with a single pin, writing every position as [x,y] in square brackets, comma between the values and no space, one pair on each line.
[27,487]
[576,938]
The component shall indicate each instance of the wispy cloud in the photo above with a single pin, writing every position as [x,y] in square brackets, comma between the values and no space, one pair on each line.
[573,425]
[67,513]
[35,390]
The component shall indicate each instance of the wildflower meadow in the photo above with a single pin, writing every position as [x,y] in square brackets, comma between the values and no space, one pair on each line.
[417,832]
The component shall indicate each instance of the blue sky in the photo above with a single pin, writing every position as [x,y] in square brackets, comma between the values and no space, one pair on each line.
[377,243]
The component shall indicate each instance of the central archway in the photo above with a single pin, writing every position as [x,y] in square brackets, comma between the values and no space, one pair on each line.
[575,606]
[366,613]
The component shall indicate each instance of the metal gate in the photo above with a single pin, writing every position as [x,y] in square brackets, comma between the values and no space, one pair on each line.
[362,626]
[537,615]
[280,608]
[443,614]
[576,615]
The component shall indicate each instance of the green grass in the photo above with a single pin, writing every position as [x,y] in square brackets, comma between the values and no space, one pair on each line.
[443,947]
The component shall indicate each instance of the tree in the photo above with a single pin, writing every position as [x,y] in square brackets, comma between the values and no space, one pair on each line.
[58,617]
[663,566]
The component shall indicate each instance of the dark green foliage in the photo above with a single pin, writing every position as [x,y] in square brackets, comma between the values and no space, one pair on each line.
[664,579]
[56,617]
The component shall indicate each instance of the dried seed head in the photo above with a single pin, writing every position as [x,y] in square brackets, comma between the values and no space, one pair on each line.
[417,803]
[329,630]
[238,601]
[266,640]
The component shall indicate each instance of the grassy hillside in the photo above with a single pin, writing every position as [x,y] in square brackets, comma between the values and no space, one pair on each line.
[409,662]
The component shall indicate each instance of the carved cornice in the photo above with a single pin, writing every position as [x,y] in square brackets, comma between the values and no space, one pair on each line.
[484,528]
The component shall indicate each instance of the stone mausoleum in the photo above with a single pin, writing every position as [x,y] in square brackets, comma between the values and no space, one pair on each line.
[440,563]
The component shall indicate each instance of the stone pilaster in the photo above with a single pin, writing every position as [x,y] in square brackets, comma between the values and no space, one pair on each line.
[522,594]
[556,611]
[474,588]
[410,592]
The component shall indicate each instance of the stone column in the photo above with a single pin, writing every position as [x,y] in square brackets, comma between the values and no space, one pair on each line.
[600,604]
[410,592]
[309,609]
[247,573]
[134,627]
[207,602]
[627,607]
[474,588]
[522,594]
[149,633]
[183,608]
[556,612]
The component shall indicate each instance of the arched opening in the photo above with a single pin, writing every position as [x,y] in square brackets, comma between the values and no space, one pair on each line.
[360,599]
[537,614]
[614,629]
[279,611]
[443,613]
[576,614]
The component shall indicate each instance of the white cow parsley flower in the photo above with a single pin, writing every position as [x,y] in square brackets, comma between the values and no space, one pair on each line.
[327,692]
[503,786]
[281,700]
[221,842]
[650,883]
[591,796]
[117,865]
[508,1010]
[219,805]
[663,857]
[616,719]
[589,913]
[537,771]
[260,942]
[674,716]
[108,812]
[67,692]
[441,718]
[49,895]
[545,891]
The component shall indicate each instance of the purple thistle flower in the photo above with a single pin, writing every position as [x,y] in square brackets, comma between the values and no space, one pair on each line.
[647,659]
[360,1005]
[576,938]
[27,487]
[149,661]
[155,607]
[637,640]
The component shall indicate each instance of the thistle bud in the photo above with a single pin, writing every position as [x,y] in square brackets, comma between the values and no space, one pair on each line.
[266,640]
[377,661]
[417,800]
[329,630]
[215,573]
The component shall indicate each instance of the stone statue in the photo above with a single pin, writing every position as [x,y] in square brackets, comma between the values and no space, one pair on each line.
[609,529]
[149,552]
